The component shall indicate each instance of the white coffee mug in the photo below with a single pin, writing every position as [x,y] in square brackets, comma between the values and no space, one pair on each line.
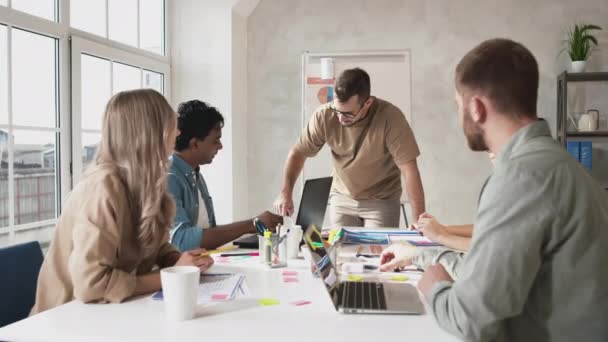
[293,241]
[180,291]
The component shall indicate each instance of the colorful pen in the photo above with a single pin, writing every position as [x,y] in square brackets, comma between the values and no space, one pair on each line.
[240,254]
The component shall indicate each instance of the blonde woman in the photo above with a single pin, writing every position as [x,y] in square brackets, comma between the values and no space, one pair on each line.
[114,227]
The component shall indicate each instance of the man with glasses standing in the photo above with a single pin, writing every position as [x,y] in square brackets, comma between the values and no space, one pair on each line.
[371,145]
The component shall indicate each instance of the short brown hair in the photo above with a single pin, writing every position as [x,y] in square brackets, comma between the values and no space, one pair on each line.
[506,72]
[353,82]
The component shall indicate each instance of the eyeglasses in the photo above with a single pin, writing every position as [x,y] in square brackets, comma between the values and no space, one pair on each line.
[346,114]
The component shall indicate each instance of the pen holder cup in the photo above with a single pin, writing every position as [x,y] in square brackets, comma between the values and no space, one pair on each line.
[273,253]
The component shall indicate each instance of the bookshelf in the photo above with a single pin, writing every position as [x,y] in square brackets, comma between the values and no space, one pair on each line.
[563,135]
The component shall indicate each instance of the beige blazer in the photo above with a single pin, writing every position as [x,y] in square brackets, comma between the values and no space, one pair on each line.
[94,256]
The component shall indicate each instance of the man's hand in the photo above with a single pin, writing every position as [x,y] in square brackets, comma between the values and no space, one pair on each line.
[194,258]
[433,274]
[396,256]
[283,205]
[270,220]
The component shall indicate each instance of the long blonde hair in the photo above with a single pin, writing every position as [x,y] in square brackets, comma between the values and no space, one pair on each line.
[136,125]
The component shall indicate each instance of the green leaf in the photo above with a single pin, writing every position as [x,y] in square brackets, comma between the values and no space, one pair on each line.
[590,38]
[591,27]
[579,41]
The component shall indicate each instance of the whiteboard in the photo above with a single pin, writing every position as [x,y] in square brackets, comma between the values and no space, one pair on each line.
[390,76]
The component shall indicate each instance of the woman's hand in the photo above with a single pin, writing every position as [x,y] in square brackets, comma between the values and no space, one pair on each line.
[195,257]
[430,227]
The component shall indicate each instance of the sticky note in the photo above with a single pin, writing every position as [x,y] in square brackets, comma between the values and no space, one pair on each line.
[219,296]
[290,280]
[352,277]
[290,273]
[399,277]
[332,235]
[268,301]
[300,302]
[222,260]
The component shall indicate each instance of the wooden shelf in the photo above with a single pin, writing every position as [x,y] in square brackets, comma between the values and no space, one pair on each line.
[584,76]
[563,135]
[593,134]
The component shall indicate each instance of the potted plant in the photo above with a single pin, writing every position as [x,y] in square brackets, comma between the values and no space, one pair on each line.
[579,44]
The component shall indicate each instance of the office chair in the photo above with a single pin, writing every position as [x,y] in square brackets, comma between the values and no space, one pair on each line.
[19,267]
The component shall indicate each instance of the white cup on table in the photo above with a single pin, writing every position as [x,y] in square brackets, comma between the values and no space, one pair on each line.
[293,241]
[180,291]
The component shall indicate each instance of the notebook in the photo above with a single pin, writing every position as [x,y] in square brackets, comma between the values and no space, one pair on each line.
[216,286]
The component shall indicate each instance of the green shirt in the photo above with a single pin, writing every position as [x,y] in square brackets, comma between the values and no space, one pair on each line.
[536,270]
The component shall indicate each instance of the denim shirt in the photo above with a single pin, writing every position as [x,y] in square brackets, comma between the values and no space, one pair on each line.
[184,186]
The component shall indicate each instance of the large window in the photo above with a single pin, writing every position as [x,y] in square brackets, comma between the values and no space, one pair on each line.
[29,131]
[89,16]
[139,23]
[101,73]
[96,89]
[53,94]
[46,9]
[4,196]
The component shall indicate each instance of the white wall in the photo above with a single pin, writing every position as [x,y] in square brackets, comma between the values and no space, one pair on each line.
[262,105]
[239,107]
[208,59]
[438,33]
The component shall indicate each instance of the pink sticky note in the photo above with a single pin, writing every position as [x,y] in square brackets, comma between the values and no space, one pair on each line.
[290,280]
[219,296]
[300,302]
[290,273]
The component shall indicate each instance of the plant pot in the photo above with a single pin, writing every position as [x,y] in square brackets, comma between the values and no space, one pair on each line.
[578,66]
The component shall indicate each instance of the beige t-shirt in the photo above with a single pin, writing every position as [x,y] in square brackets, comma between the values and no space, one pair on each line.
[365,154]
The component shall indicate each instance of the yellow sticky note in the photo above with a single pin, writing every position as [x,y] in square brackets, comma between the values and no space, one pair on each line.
[268,301]
[353,277]
[400,278]
[332,236]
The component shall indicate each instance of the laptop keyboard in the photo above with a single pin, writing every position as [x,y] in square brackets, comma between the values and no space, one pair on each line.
[363,295]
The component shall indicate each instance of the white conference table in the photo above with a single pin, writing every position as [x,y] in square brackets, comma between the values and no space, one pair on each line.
[242,319]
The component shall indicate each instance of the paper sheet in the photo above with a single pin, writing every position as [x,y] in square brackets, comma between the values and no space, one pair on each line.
[216,286]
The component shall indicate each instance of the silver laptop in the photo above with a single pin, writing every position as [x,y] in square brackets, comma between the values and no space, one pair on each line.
[360,297]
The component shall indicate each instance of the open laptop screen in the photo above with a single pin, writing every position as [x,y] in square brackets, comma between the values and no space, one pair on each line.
[323,265]
[314,202]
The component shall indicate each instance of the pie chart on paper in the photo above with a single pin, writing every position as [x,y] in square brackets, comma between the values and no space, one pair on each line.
[325,94]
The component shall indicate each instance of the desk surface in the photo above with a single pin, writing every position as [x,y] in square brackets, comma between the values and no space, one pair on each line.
[143,319]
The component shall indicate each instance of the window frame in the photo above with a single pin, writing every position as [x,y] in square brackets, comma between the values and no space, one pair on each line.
[85,46]
[70,40]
